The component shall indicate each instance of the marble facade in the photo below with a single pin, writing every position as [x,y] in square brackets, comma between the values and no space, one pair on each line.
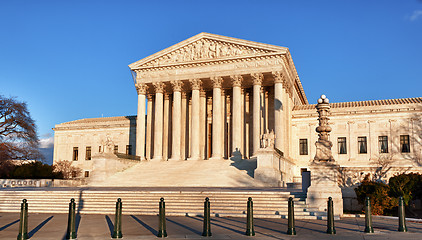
[213,97]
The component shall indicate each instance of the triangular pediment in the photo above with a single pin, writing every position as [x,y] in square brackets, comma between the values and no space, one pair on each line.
[206,47]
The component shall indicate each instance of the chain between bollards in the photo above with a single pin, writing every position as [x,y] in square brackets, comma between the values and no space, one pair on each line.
[207,224]
[291,218]
[368,216]
[330,217]
[249,219]
[402,216]
[118,220]
[162,219]
[23,223]
[71,233]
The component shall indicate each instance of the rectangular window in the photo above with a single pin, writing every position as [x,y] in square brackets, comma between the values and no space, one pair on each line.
[75,154]
[116,148]
[88,153]
[383,144]
[86,173]
[404,144]
[342,149]
[99,148]
[128,149]
[303,146]
[362,146]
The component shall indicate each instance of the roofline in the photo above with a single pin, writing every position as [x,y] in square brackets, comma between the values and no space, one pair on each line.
[368,103]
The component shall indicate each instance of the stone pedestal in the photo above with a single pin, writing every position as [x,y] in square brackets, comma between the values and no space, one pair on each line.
[266,171]
[324,177]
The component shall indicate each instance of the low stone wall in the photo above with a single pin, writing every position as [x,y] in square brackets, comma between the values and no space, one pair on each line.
[68,182]
[6,183]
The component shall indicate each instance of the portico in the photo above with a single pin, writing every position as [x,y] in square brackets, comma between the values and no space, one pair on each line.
[235,91]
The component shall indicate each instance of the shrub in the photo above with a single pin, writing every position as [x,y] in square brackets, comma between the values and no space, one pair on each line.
[378,193]
[407,185]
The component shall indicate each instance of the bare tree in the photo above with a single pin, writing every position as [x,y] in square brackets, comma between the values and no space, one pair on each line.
[18,137]
[66,168]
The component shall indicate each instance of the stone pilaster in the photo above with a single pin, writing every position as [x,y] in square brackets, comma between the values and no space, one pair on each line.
[237,116]
[158,126]
[140,121]
[217,123]
[257,79]
[177,120]
[195,137]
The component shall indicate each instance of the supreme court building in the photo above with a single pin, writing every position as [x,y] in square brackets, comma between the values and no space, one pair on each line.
[213,97]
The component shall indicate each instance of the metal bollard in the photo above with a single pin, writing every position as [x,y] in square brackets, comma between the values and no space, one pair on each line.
[291,218]
[23,223]
[207,224]
[117,233]
[368,216]
[162,219]
[330,217]
[402,216]
[71,233]
[249,219]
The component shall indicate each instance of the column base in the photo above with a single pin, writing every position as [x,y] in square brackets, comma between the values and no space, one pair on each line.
[216,158]
[194,158]
[156,159]
[175,159]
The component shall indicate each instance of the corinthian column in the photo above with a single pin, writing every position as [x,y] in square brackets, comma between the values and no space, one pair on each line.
[149,126]
[217,123]
[257,82]
[177,120]
[278,110]
[195,138]
[237,115]
[158,126]
[140,121]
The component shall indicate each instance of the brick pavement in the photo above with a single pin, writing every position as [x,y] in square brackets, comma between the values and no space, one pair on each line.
[92,227]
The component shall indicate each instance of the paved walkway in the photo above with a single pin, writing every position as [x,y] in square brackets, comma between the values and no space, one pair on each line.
[92,227]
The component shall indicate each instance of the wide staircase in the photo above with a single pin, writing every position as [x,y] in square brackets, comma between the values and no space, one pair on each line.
[225,202]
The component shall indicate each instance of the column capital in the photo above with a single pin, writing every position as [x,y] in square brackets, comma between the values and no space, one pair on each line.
[217,82]
[196,84]
[257,78]
[149,96]
[184,95]
[166,96]
[278,76]
[141,88]
[159,87]
[236,80]
[177,85]
[202,93]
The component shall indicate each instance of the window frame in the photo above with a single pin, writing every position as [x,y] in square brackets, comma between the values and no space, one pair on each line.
[88,153]
[365,142]
[303,147]
[403,140]
[383,141]
[75,156]
[340,144]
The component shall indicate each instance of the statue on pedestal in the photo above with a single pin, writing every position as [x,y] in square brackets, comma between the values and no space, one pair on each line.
[324,169]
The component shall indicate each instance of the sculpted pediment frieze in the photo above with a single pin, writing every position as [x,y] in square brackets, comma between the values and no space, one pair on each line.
[206,47]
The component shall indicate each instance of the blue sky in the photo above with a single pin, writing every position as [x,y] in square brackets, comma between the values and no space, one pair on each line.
[68,59]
